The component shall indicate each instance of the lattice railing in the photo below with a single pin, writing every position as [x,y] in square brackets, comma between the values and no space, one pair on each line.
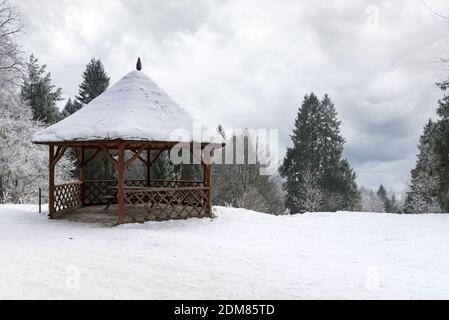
[100,192]
[175,184]
[67,197]
[170,203]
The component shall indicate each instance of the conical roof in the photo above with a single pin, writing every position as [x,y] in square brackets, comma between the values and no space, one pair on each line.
[134,109]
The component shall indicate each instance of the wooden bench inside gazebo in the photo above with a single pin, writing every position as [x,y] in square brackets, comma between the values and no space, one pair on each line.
[132,121]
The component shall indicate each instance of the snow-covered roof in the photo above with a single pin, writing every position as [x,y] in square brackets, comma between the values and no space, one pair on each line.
[134,109]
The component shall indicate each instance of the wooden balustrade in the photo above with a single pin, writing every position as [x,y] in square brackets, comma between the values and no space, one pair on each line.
[67,197]
[170,203]
[160,200]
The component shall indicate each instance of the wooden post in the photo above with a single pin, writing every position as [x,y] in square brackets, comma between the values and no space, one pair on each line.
[51,182]
[207,179]
[149,167]
[121,184]
[40,200]
[82,171]
[209,188]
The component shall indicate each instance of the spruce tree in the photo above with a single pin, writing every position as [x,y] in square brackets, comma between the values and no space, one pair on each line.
[317,151]
[163,168]
[38,91]
[440,143]
[71,107]
[383,196]
[422,196]
[95,82]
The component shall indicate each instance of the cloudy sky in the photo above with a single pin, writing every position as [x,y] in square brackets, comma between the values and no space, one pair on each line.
[249,63]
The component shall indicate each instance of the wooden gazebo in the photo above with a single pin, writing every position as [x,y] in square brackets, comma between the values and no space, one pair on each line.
[131,121]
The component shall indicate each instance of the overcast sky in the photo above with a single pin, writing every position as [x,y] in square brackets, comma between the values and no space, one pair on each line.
[249,63]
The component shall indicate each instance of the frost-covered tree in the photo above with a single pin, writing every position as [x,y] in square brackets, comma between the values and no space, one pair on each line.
[189,172]
[71,107]
[383,195]
[39,93]
[240,183]
[10,53]
[440,147]
[311,196]
[95,82]
[318,147]
[370,201]
[422,196]
[163,168]
[23,165]
[396,206]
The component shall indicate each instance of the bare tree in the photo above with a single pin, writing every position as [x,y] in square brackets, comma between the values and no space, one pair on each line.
[311,195]
[240,183]
[10,51]
[370,201]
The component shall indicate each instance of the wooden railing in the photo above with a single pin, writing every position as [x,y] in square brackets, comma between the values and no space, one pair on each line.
[96,192]
[170,203]
[161,200]
[67,197]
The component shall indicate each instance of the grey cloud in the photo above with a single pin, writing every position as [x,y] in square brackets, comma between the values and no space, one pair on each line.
[249,63]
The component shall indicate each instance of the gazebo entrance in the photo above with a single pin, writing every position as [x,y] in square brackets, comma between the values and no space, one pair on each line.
[154,200]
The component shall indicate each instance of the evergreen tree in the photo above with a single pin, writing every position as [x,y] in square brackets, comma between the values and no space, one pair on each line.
[383,196]
[95,82]
[221,131]
[424,188]
[395,205]
[38,91]
[189,172]
[440,147]
[71,107]
[163,168]
[317,150]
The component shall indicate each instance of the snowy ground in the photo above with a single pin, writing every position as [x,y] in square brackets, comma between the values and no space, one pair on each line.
[239,255]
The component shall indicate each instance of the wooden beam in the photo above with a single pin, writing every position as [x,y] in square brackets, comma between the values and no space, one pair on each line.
[149,165]
[208,184]
[94,156]
[113,144]
[59,153]
[207,177]
[109,156]
[82,170]
[136,155]
[121,184]
[51,182]
[157,157]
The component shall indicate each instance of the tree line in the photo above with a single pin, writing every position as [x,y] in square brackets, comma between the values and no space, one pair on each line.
[314,176]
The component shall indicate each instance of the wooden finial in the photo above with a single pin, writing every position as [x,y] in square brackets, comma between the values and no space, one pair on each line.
[139,64]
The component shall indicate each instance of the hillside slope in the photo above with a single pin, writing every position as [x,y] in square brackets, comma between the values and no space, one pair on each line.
[239,255]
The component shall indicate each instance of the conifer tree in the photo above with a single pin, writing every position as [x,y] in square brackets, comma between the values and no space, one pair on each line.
[163,168]
[95,82]
[383,196]
[440,147]
[71,107]
[424,188]
[317,151]
[38,91]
